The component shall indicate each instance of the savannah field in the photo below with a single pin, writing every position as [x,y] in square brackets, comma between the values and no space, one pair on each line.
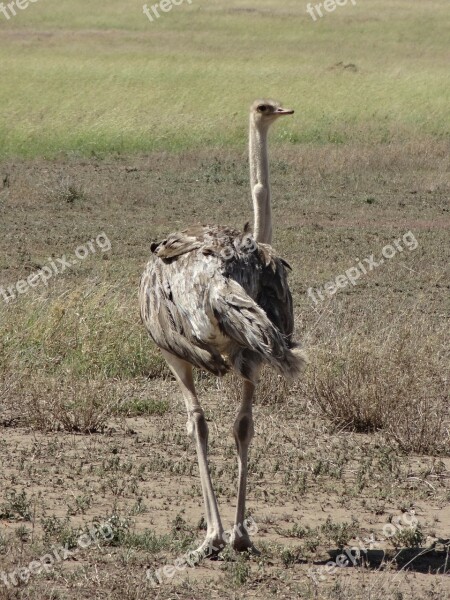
[115,131]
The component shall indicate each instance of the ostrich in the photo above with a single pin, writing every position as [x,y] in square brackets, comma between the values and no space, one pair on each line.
[216,298]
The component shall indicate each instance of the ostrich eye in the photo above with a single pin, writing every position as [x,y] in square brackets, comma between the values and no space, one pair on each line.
[262,107]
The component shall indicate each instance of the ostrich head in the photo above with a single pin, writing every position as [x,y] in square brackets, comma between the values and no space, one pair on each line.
[265,112]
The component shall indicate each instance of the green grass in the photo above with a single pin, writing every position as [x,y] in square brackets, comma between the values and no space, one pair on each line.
[88,79]
[78,339]
[144,407]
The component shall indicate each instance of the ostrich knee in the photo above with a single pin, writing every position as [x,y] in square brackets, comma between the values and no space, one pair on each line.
[197,427]
[243,430]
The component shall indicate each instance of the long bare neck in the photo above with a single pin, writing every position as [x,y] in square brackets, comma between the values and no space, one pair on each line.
[259,181]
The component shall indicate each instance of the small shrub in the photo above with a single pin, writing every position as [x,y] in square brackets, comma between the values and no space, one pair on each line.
[237,569]
[3,544]
[408,537]
[59,530]
[397,383]
[339,533]
[182,534]
[288,557]
[66,190]
[297,531]
[17,507]
[120,527]
[68,404]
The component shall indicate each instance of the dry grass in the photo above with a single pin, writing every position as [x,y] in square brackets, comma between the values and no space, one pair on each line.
[393,378]
[67,404]
[63,403]
[89,331]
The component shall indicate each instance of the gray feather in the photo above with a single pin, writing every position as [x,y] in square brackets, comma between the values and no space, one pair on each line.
[217,299]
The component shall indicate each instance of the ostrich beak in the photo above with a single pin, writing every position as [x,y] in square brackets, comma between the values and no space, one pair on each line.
[284,111]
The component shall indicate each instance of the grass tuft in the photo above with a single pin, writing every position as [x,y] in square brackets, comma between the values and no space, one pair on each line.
[394,380]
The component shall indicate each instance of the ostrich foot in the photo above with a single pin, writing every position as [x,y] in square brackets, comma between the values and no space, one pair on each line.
[243,543]
[210,548]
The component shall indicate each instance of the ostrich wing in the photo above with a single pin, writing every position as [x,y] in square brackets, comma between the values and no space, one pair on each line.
[216,301]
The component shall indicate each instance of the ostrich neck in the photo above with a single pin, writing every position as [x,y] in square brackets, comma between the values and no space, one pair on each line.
[259,181]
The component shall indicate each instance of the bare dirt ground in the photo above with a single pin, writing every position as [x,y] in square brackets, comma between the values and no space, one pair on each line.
[318,487]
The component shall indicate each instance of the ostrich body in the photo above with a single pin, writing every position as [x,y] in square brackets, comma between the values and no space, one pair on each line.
[218,299]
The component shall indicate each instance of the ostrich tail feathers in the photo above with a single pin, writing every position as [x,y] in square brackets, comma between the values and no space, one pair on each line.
[257,338]
[294,363]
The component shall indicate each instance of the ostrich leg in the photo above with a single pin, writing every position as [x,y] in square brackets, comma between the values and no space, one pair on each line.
[197,429]
[243,433]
